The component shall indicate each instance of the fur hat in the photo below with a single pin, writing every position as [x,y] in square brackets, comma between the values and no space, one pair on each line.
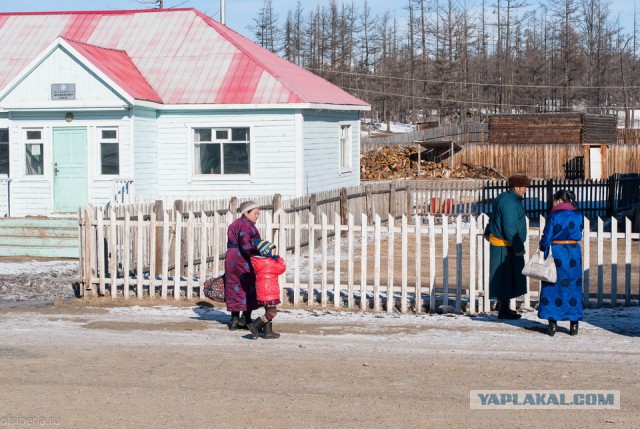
[265,248]
[247,206]
[518,180]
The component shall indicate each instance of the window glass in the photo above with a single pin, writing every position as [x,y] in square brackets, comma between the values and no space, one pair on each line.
[34,134]
[109,134]
[345,146]
[224,156]
[34,159]
[203,135]
[240,134]
[109,152]
[207,159]
[4,151]
[110,158]
[236,159]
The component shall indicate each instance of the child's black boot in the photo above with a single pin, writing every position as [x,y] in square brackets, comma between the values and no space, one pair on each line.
[268,332]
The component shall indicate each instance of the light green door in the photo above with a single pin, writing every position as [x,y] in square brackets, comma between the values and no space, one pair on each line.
[70,169]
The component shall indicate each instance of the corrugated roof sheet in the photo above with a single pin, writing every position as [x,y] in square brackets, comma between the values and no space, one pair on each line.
[172,56]
[118,66]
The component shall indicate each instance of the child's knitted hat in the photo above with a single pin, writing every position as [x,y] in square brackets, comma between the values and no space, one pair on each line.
[264,248]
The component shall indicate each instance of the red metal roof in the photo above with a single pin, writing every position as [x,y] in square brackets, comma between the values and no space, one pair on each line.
[118,66]
[172,56]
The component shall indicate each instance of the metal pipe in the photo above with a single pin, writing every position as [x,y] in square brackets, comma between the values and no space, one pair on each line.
[223,12]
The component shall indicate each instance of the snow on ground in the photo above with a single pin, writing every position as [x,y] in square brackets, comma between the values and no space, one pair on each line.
[36,267]
[37,280]
[395,127]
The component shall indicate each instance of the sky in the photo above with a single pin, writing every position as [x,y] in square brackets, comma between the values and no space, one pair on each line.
[240,13]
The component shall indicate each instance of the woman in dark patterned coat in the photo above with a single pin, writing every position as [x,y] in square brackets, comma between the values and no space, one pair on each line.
[240,280]
[562,300]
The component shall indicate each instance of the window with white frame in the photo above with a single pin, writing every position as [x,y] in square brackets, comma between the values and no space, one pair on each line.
[345,147]
[4,151]
[109,151]
[221,151]
[34,156]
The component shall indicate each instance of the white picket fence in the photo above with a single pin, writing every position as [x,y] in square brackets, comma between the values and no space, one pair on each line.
[420,263]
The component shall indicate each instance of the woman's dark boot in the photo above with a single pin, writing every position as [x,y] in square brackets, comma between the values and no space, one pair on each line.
[234,323]
[551,331]
[245,320]
[256,325]
[504,312]
[573,329]
[268,332]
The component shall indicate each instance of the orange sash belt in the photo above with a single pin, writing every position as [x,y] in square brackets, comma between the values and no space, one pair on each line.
[566,242]
[498,241]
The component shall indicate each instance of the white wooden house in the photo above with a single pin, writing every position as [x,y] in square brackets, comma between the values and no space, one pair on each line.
[167,102]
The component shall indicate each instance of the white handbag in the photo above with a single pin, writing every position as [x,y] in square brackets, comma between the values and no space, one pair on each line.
[540,268]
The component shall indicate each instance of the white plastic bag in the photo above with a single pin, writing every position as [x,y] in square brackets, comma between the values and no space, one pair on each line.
[540,268]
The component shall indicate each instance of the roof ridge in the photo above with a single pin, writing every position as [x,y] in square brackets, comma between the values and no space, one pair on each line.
[94,46]
[223,29]
[97,12]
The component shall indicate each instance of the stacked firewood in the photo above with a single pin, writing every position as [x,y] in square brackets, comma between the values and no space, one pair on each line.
[401,162]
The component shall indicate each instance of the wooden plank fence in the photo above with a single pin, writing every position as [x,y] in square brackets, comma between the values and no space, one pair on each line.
[400,265]
[460,133]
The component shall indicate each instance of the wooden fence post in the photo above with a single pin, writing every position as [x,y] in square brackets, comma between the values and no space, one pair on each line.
[89,252]
[409,198]
[369,203]
[392,199]
[233,205]
[178,210]
[549,196]
[158,209]
[276,204]
[611,198]
[344,209]
[313,204]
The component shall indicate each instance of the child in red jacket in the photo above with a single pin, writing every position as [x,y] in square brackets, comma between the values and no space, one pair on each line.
[267,266]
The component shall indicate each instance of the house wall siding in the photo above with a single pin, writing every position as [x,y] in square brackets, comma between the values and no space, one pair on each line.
[322,150]
[145,153]
[272,154]
[31,195]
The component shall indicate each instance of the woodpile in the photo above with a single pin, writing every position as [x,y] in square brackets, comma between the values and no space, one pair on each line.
[401,163]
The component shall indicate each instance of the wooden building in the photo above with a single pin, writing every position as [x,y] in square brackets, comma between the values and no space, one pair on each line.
[582,140]
[168,102]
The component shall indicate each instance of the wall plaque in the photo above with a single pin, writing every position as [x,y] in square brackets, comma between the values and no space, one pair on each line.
[63,91]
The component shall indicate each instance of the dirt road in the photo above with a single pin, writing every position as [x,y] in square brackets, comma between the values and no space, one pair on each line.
[79,366]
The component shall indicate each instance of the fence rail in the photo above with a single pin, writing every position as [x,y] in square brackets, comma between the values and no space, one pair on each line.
[401,265]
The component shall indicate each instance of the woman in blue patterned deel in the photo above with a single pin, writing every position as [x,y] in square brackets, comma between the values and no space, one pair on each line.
[562,300]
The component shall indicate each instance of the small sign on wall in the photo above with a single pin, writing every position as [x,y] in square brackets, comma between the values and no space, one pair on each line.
[63,91]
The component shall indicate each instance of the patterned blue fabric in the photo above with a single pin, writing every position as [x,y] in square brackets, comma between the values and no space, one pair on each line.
[562,300]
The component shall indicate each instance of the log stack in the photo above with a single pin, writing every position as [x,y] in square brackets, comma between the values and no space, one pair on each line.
[401,163]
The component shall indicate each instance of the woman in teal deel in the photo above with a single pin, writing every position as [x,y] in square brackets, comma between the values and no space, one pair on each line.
[507,233]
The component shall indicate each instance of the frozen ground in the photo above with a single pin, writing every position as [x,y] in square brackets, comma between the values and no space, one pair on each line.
[33,280]
[178,366]
[149,364]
